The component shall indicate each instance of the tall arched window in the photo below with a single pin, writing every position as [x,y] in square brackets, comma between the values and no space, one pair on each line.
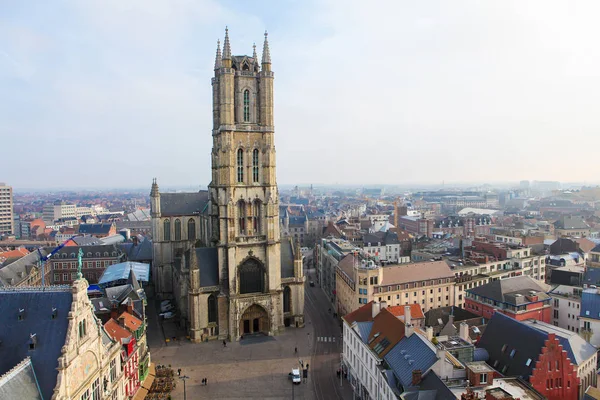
[167,230]
[252,277]
[212,309]
[255,165]
[241,217]
[287,299]
[177,229]
[191,229]
[246,105]
[256,217]
[240,166]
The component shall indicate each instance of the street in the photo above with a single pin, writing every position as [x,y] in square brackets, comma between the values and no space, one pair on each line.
[326,345]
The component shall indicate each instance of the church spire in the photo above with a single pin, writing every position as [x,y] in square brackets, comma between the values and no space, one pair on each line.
[218,57]
[254,52]
[226,46]
[266,55]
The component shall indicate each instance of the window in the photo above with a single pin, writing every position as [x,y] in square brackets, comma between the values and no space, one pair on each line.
[96,389]
[65,277]
[287,300]
[246,105]
[212,309]
[82,326]
[167,230]
[177,229]
[113,369]
[528,363]
[504,348]
[242,217]
[85,395]
[255,165]
[256,217]
[240,166]
[512,353]
[482,378]
[191,229]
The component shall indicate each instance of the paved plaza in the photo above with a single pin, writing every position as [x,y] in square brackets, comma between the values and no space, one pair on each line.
[255,369]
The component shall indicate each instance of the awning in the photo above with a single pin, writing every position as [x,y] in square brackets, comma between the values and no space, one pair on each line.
[146,384]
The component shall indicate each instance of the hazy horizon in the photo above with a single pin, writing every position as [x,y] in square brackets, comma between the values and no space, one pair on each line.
[111,94]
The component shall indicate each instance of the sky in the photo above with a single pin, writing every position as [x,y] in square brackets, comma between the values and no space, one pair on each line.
[113,93]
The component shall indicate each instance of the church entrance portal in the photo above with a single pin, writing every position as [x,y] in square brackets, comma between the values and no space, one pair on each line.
[254,320]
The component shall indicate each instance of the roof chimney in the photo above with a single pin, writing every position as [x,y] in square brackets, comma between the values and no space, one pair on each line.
[375,308]
[416,377]
[429,333]
[407,320]
[463,332]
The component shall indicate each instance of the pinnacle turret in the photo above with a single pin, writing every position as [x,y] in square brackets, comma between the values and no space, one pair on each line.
[218,62]
[226,46]
[266,55]
[254,52]
[154,190]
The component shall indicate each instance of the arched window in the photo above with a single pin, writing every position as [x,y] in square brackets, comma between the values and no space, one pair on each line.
[241,217]
[256,217]
[167,230]
[255,165]
[252,277]
[191,229]
[177,229]
[240,166]
[212,309]
[287,299]
[246,105]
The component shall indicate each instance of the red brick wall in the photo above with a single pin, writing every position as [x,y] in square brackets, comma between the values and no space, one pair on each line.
[555,383]
[534,311]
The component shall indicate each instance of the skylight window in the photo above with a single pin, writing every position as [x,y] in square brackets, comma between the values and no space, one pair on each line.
[528,363]
[512,353]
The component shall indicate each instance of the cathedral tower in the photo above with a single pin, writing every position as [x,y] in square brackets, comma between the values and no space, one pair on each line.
[244,200]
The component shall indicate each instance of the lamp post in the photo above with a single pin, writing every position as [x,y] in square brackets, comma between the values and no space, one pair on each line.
[184,378]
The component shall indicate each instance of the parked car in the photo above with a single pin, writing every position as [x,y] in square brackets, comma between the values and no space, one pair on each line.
[167,315]
[295,376]
[166,308]
[311,283]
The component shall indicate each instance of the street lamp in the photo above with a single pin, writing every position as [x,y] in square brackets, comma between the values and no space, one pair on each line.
[184,378]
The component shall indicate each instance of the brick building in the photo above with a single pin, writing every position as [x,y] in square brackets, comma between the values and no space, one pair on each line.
[520,298]
[95,259]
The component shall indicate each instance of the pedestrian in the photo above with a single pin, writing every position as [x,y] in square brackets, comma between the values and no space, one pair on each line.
[178,371]
[224,343]
[295,350]
[202,381]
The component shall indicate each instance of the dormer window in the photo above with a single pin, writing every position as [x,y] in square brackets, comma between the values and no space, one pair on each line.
[32,341]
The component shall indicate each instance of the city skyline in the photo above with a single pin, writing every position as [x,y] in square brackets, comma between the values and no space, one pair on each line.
[420,92]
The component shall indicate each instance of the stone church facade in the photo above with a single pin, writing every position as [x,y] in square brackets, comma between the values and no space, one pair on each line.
[218,253]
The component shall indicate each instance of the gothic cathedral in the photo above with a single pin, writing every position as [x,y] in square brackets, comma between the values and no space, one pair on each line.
[218,253]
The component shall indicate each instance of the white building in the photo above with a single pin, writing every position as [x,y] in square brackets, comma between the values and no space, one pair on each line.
[566,307]
[6,210]
[57,210]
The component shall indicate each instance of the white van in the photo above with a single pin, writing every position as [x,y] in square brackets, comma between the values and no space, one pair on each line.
[296,379]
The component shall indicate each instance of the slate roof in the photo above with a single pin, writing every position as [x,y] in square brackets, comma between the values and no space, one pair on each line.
[177,204]
[430,388]
[95,229]
[411,353]
[590,304]
[13,273]
[50,333]
[140,252]
[20,383]
[504,290]
[505,331]
[208,264]
[364,328]
[387,330]
[89,251]
[578,350]
[569,222]
[287,259]
[433,316]
[86,240]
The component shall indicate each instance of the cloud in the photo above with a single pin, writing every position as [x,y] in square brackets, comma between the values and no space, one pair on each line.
[384,92]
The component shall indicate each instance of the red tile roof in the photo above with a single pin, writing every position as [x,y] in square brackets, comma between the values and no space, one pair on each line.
[362,314]
[415,311]
[116,331]
[17,253]
[130,322]
[387,327]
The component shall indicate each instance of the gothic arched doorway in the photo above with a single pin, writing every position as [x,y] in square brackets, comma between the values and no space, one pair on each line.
[254,320]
